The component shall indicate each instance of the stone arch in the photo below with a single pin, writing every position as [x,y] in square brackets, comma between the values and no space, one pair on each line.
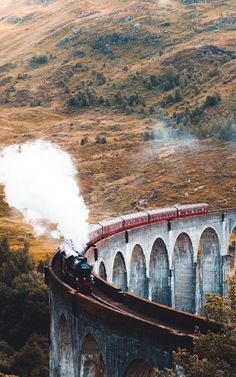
[66,366]
[138,277]
[209,263]
[184,274]
[159,273]
[102,271]
[139,368]
[91,359]
[119,274]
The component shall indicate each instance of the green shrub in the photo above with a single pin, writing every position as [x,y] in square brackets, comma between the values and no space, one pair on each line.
[170,78]
[84,140]
[212,100]
[35,103]
[82,99]
[178,95]
[101,79]
[100,139]
[38,60]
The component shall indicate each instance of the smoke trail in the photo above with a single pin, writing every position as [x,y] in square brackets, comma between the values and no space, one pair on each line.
[40,181]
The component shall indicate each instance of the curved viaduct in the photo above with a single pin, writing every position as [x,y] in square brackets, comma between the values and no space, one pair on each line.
[113,333]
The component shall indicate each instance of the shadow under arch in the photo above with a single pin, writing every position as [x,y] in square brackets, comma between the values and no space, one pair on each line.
[102,271]
[139,368]
[159,273]
[66,366]
[119,274]
[138,277]
[209,268]
[184,274]
[91,360]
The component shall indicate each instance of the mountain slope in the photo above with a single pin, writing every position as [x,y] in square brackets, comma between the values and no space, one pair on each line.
[141,93]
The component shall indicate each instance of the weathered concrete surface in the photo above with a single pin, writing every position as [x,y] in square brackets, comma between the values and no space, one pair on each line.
[184,274]
[93,348]
[159,284]
[177,266]
[119,275]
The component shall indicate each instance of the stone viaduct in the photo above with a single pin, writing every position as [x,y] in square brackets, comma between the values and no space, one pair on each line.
[116,334]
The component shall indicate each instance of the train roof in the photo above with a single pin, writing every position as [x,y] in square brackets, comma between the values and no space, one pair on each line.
[189,206]
[111,221]
[94,226]
[161,210]
[134,215]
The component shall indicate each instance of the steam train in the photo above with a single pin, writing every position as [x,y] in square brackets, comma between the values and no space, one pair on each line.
[75,269]
[76,272]
[124,223]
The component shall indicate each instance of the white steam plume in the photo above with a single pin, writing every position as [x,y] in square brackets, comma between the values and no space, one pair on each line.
[40,181]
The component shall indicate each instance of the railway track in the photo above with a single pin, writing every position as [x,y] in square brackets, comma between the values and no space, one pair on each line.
[126,310]
[168,326]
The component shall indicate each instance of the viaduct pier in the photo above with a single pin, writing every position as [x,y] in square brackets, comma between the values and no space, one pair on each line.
[149,288]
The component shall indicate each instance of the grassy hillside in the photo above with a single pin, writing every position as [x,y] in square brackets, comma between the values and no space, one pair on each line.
[141,93]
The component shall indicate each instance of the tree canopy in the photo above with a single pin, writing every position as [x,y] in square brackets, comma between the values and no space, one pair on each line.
[214,354]
[24,318]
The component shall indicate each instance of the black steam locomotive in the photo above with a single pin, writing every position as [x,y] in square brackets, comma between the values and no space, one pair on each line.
[76,272]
